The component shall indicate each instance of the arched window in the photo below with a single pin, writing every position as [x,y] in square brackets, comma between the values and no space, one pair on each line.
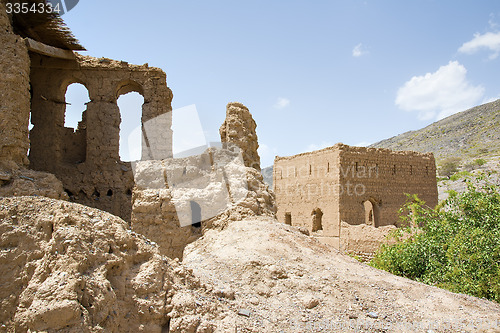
[130,105]
[371,212]
[317,220]
[74,141]
[77,96]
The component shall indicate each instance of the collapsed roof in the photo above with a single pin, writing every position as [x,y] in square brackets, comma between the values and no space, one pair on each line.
[46,28]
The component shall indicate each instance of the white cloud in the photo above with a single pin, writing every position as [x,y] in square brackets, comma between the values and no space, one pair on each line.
[358,51]
[439,94]
[489,40]
[282,103]
[324,144]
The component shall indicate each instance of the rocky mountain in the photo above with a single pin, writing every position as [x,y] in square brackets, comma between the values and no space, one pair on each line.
[470,134]
[267,173]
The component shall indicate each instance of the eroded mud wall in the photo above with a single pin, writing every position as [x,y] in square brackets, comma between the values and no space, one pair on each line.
[14,96]
[86,159]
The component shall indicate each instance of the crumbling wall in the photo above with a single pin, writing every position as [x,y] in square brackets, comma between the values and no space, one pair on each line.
[153,212]
[87,160]
[14,96]
[363,240]
[175,200]
[355,185]
[70,268]
[239,128]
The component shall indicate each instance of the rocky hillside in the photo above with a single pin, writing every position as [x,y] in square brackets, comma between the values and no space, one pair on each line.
[469,134]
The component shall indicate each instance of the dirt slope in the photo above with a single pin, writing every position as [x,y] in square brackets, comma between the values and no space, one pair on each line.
[70,268]
[288,282]
[65,267]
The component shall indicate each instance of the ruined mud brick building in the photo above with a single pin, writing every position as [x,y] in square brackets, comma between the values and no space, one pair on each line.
[333,190]
[37,66]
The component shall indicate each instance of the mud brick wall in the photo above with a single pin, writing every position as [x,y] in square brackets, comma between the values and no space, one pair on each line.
[87,159]
[305,183]
[14,96]
[154,213]
[383,178]
[355,185]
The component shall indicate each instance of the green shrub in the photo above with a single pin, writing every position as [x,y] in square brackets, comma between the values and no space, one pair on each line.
[449,166]
[480,162]
[459,175]
[455,246]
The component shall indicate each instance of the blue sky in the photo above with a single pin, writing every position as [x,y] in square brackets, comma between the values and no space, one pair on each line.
[313,73]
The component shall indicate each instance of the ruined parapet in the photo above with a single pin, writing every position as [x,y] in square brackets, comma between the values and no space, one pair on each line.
[14,96]
[239,128]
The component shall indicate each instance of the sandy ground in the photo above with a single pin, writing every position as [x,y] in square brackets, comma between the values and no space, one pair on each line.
[284,281]
[70,268]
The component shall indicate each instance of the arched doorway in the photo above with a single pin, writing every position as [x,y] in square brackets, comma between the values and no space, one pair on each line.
[195,214]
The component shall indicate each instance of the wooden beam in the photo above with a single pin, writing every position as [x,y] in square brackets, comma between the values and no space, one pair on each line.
[49,51]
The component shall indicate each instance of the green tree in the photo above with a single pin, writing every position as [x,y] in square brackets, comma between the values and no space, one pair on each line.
[455,246]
